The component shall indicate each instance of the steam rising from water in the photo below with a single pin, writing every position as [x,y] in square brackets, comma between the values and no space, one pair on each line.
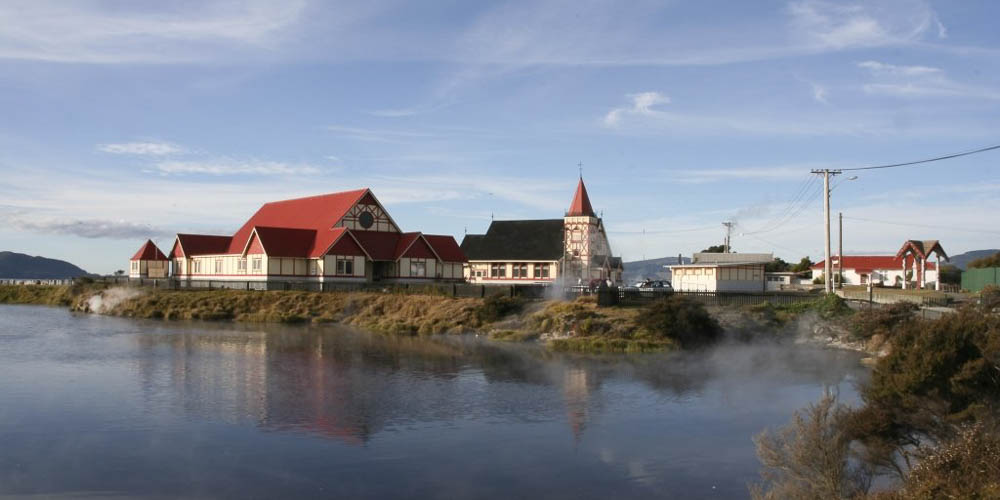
[109,299]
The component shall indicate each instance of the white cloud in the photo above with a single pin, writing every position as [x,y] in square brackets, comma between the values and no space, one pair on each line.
[890,69]
[231,167]
[706,175]
[919,81]
[141,148]
[85,228]
[378,135]
[642,105]
[844,25]
[88,32]
[820,93]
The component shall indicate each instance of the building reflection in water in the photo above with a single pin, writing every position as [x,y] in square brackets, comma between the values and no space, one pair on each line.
[349,385]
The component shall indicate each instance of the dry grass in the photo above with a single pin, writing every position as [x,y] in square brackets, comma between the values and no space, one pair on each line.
[392,313]
[47,295]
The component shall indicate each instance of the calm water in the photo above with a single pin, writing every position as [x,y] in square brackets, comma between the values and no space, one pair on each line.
[107,407]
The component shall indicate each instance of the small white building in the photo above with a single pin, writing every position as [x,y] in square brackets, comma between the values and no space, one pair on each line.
[879,270]
[148,262]
[781,280]
[722,272]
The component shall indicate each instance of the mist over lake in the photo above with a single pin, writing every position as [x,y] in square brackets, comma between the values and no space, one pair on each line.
[103,406]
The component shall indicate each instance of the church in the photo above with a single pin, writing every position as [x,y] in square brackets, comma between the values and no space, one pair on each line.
[574,249]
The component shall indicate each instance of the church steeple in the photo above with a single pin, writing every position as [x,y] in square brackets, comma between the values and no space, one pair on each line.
[581,203]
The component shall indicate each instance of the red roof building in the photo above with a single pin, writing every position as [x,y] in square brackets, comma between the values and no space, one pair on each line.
[346,236]
[148,262]
[887,270]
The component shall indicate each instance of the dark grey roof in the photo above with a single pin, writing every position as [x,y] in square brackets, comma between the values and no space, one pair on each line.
[517,240]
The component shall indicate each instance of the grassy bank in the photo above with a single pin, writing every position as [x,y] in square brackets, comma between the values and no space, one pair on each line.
[47,295]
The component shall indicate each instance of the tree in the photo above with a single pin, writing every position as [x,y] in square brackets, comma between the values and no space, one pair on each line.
[991,261]
[776,266]
[804,265]
[951,274]
[716,249]
[120,272]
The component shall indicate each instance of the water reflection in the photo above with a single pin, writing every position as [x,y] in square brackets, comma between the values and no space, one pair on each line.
[96,405]
[348,385]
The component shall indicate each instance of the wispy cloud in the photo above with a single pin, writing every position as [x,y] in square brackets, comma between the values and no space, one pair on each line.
[707,175]
[844,25]
[377,135]
[891,69]
[919,81]
[641,105]
[88,33]
[820,93]
[85,228]
[232,167]
[141,148]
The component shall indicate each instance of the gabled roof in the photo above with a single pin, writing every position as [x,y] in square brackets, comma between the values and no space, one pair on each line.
[521,240]
[581,202]
[922,248]
[446,247]
[203,244]
[318,213]
[149,251]
[868,263]
[286,242]
[380,246]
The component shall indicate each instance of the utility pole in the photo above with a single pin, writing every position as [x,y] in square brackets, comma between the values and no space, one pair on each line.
[840,251]
[827,266]
[729,230]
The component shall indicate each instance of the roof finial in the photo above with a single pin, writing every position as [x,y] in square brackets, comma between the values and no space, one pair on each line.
[580,166]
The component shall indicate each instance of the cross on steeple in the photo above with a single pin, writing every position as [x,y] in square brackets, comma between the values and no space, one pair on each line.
[580,165]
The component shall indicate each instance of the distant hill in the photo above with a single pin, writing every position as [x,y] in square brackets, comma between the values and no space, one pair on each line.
[21,266]
[962,260]
[651,268]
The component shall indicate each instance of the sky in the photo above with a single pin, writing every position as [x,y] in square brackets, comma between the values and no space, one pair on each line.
[123,120]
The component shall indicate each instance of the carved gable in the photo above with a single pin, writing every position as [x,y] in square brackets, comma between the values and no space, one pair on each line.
[368,215]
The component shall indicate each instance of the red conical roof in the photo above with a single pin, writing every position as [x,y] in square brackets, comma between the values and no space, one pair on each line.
[149,251]
[581,203]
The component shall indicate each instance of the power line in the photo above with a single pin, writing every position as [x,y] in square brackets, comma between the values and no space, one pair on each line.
[782,217]
[952,228]
[686,230]
[929,160]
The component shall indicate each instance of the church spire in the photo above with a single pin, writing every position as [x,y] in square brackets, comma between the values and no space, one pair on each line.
[581,203]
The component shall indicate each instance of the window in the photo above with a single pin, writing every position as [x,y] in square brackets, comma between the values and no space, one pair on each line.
[313,267]
[196,266]
[479,274]
[541,271]
[135,266]
[519,271]
[218,266]
[345,266]
[241,266]
[418,267]
[256,263]
[498,270]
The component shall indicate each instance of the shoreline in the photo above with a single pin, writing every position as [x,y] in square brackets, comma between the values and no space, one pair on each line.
[578,326]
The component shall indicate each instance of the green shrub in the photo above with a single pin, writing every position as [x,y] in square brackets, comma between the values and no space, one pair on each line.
[680,319]
[881,321]
[496,307]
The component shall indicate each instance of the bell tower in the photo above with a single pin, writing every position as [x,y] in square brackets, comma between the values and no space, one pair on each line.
[583,237]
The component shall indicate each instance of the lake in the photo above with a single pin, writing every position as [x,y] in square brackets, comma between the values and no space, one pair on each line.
[109,407]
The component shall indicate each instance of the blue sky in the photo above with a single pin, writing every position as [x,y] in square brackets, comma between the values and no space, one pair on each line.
[126,120]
